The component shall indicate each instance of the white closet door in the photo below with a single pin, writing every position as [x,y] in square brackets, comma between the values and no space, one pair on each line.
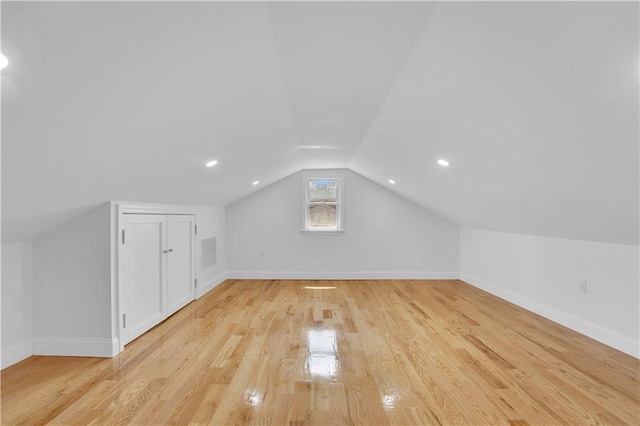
[181,261]
[143,273]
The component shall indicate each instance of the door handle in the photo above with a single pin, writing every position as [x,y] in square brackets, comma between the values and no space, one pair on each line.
[168,251]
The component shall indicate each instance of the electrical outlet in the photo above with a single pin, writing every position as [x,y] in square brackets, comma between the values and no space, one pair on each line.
[582,287]
[18,303]
[261,253]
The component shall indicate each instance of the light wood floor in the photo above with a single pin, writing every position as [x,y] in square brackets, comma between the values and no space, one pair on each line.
[363,352]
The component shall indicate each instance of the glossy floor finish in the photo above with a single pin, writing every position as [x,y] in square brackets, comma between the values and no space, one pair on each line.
[336,352]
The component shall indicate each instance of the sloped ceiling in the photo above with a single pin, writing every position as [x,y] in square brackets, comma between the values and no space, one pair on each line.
[534,104]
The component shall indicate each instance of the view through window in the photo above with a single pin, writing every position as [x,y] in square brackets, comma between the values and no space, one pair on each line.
[323,209]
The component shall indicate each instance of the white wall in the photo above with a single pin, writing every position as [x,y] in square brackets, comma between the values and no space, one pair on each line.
[72,287]
[542,274]
[17,283]
[386,236]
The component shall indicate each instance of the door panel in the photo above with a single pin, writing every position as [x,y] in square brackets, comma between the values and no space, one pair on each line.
[181,244]
[144,273]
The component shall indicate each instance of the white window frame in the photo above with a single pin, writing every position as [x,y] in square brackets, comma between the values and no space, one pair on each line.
[339,204]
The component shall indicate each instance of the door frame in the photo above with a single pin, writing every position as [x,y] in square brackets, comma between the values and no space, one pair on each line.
[133,208]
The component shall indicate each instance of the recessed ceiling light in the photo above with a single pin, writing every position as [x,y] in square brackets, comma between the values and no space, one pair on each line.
[211,163]
[443,163]
[317,147]
[3,61]
[255,182]
[392,182]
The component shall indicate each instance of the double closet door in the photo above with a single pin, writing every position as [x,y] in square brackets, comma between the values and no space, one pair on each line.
[158,269]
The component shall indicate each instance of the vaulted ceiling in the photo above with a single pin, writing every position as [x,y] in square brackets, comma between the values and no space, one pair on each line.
[534,104]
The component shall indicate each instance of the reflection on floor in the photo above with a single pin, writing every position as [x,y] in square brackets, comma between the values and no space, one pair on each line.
[323,353]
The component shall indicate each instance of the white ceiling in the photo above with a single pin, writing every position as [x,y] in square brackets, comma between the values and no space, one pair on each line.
[535,105]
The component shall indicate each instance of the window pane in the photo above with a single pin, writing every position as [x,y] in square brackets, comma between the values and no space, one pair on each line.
[323,190]
[322,215]
[322,210]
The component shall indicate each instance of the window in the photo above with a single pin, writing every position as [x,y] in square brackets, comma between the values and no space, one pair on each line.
[323,204]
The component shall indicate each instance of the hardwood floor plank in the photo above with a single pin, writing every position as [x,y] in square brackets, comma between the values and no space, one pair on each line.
[269,352]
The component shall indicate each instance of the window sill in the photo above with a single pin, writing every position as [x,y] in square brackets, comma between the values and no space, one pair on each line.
[332,232]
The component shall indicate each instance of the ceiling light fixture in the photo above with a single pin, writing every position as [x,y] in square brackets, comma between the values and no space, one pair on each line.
[255,182]
[3,61]
[392,182]
[211,163]
[443,163]
[317,147]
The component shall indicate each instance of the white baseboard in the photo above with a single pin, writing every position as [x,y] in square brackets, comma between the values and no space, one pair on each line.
[103,348]
[601,334]
[343,275]
[17,353]
[202,290]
